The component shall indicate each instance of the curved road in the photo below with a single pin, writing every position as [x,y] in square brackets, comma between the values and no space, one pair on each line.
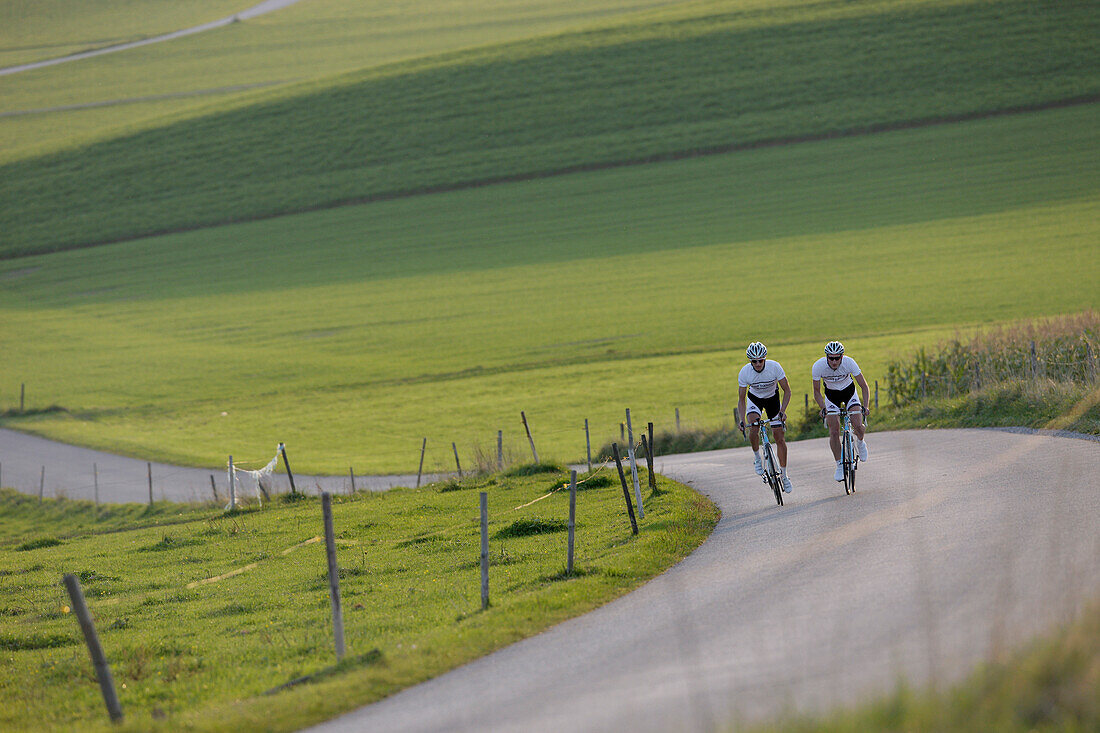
[957,546]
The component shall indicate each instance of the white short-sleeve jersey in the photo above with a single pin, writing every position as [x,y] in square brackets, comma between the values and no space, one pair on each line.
[838,378]
[763,383]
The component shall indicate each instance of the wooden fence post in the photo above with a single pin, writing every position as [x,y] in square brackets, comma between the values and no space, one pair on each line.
[588,445]
[419,471]
[91,639]
[333,575]
[648,448]
[633,464]
[232,486]
[572,520]
[214,489]
[530,440]
[500,450]
[149,466]
[483,500]
[22,394]
[351,472]
[626,489]
[806,400]
[457,464]
[677,419]
[876,397]
[290,475]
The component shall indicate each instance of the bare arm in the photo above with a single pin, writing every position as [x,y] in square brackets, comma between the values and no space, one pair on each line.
[786,387]
[741,405]
[864,391]
[817,394]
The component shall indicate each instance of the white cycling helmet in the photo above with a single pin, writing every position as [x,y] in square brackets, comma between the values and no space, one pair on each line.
[756,350]
[834,348]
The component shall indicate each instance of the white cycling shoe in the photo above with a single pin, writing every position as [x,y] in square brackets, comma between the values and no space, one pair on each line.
[786,485]
[839,475]
[863,450]
[758,465]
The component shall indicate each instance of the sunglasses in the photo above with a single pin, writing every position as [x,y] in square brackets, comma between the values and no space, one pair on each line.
[757,361]
[835,358]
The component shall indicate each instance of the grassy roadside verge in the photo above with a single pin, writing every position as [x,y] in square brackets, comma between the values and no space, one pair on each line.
[1052,684]
[24,520]
[201,619]
[1043,404]
[1036,374]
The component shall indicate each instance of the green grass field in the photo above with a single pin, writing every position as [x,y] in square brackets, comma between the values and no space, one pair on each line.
[310,40]
[200,619]
[674,81]
[352,333]
[681,178]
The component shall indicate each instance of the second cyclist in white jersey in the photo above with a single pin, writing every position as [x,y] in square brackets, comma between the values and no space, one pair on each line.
[760,381]
[839,374]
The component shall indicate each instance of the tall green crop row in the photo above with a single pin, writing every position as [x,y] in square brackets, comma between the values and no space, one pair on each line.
[1064,349]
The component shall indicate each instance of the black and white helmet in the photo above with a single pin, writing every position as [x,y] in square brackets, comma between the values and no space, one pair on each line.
[834,348]
[756,350]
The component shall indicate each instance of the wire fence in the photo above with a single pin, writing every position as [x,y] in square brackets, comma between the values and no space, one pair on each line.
[960,368]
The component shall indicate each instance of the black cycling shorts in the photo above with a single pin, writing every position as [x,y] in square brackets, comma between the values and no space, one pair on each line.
[838,396]
[770,404]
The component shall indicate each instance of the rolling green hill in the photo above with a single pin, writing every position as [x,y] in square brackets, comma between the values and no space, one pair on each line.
[679,81]
[352,333]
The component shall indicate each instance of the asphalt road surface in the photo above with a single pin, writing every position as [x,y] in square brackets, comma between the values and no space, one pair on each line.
[30,464]
[957,546]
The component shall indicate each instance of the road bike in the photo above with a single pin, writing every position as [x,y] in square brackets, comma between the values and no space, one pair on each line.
[771,475]
[849,456]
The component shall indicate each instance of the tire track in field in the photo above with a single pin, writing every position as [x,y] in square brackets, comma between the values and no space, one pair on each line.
[265,7]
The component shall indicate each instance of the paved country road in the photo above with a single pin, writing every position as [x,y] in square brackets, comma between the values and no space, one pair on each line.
[70,472]
[958,545]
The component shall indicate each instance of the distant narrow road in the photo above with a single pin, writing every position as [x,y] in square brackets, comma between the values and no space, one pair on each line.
[265,7]
[70,472]
[958,544]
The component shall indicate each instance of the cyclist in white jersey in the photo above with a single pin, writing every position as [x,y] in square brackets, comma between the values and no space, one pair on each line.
[760,381]
[840,375]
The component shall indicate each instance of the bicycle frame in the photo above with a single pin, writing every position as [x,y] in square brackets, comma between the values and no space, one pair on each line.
[848,455]
[771,475]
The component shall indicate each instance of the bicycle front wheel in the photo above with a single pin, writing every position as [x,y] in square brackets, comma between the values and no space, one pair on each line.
[846,458]
[773,476]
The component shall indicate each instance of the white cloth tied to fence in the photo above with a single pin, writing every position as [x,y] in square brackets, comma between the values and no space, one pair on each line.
[255,476]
